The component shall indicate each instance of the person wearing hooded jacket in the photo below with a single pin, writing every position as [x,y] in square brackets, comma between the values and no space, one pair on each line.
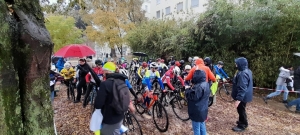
[197,97]
[296,85]
[242,92]
[83,69]
[60,64]
[281,84]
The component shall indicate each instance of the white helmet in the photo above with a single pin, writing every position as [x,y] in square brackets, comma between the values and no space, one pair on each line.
[187,67]
[153,65]
[67,65]
[176,70]
[195,58]
[124,72]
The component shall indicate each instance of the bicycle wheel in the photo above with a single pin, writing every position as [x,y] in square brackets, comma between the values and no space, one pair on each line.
[180,108]
[162,121]
[134,127]
[225,93]
[72,92]
[138,106]
[93,97]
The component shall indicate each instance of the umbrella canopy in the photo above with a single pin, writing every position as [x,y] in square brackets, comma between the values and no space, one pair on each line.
[297,54]
[75,50]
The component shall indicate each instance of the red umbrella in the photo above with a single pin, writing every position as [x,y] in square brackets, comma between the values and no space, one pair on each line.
[75,50]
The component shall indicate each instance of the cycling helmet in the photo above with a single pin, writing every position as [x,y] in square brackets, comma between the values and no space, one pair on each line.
[190,59]
[195,58]
[67,65]
[207,60]
[220,62]
[181,62]
[176,70]
[98,62]
[187,67]
[153,65]
[177,63]
[172,62]
[144,64]
[123,71]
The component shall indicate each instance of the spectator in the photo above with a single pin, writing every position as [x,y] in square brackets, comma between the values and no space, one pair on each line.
[53,76]
[297,88]
[197,96]
[112,120]
[83,70]
[60,64]
[281,85]
[242,92]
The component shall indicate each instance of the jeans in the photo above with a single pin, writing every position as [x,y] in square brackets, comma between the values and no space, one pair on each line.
[52,93]
[199,128]
[279,88]
[295,102]
[241,109]
[111,129]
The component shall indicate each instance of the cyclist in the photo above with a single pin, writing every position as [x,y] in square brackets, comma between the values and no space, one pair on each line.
[219,71]
[141,72]
[208,63]
[162,67]
[134,65]
[151,76]
[68,73]
[184,74]
[125,72]
[181,62]
[168,76]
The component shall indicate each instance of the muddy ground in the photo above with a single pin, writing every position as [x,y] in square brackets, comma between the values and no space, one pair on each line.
[264,119]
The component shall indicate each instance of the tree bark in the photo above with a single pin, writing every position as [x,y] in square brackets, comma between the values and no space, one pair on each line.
[25,107]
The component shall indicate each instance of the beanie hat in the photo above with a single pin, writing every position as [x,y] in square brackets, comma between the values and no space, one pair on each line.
[110,66]
[67,65]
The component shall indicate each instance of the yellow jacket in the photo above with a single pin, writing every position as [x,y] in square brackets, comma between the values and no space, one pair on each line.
[142,73]
[68,73]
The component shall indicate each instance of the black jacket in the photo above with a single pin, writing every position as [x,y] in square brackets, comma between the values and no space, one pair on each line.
[83,70]
[104,99]
[242,88]
[297,79]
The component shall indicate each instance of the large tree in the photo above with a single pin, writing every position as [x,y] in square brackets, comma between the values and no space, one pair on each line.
[25,107]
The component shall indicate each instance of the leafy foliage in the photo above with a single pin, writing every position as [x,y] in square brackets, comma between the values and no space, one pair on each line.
[266,32]
[63,31]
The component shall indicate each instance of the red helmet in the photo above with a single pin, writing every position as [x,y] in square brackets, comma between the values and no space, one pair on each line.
[162,60]
[144,64]
[177,63]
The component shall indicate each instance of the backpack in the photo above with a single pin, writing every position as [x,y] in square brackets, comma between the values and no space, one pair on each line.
[121,96]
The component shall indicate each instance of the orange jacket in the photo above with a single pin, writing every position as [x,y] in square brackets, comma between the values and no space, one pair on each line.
[201,66]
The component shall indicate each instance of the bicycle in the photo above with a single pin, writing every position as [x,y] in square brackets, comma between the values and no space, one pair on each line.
[158,110]
[71,90]
[132,124]
[224,90]
[90,97]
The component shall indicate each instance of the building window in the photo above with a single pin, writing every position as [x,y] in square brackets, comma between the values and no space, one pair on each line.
[168,10]
[158,14]
[146,8]
[179,6]
[194,3]
[157,2]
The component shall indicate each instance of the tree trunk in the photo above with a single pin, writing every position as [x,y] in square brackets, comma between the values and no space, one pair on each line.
[113,52]
[25,107]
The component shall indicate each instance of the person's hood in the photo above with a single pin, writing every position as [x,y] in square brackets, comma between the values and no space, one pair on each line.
[283,69]
[199,61]
[241,63]
[171,68]
[61,59]
[116,76]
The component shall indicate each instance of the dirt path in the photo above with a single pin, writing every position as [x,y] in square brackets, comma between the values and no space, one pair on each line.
[264,119]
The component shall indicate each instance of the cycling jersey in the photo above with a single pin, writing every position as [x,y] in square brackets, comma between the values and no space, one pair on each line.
[142,72]
[150,77]
[220,72]
[166,79]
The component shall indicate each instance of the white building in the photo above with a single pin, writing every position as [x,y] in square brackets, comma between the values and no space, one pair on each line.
[173,9]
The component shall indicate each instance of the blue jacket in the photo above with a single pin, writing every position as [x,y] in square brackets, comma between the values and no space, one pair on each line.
[220,72]
[197,97]
[128,84]
[60,64]
[242,88]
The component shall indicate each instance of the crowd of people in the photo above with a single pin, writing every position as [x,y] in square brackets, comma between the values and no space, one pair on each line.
[195,76]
